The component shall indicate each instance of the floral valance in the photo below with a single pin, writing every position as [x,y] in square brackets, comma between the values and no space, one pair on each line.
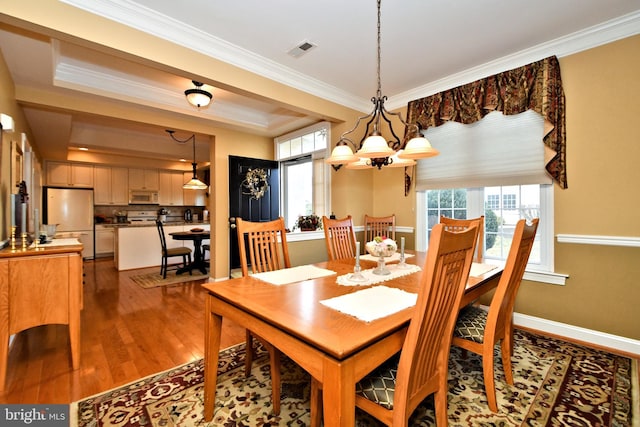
[536,86]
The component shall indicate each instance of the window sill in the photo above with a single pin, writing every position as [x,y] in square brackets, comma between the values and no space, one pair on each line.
[546,277]
[301,236]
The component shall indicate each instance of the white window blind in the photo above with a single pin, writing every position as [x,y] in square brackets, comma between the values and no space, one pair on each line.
[497,150]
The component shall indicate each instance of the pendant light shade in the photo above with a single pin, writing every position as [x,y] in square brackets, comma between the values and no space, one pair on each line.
[418,148]
[375,146]
[342,154]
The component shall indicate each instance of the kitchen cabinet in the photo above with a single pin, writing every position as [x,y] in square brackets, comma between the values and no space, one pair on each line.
[143,179]
[111,185]
[170,193]
[66,174]
[193,197]
[105,240]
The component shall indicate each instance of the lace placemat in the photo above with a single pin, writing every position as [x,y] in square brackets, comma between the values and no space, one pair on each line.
[372,279]
[293,274]
[372,303]
[393,258]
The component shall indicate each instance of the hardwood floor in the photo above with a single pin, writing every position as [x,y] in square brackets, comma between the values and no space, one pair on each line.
[127,333]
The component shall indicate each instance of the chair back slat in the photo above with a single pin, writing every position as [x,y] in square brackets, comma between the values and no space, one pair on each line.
[456,225]
[340,238]
[266,243]
[379,226]
[500,313]
[422,369]
[163,238]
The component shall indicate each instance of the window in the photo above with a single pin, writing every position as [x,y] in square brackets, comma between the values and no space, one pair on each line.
[525,202]
[305,178]
[494,168]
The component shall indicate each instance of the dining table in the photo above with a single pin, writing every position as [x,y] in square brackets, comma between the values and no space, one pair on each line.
[196,236]
[295,311]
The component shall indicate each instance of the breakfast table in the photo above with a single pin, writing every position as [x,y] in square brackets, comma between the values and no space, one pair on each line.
[335,329]
[196,236]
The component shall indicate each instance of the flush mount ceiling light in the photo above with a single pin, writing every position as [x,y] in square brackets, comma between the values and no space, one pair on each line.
[194,183]
[197,96]
[373,150]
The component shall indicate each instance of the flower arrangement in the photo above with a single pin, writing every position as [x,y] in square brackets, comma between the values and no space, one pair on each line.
[381,246]
[308,223]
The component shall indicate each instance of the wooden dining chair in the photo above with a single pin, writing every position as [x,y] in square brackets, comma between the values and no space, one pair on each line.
[379,226]
[340,237]
[167,253]
[455,225]
[264,254]
[479,331]
[392,391]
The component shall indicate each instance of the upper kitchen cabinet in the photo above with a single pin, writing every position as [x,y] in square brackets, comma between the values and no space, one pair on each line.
[193,197]
[170,193]
[111,185]
[143,179]
[66,174]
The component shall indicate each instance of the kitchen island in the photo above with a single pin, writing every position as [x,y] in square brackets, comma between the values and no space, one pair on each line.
[40,287]
[138,245]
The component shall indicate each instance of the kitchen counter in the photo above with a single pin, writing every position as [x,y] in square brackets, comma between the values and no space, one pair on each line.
[138,246]
[153,224]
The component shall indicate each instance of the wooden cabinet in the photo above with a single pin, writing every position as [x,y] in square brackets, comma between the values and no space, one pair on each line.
[111,185]
[39,288]
[143,179]
[193,197]
[105,240]
[66,174]
[170,193]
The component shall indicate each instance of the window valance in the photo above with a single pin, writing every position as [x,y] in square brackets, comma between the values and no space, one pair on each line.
[536,86]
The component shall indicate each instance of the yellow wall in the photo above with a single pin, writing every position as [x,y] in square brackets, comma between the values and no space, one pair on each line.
[602,90]
[9,107]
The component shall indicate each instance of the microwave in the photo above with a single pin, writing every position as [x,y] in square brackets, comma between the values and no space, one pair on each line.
[143,197]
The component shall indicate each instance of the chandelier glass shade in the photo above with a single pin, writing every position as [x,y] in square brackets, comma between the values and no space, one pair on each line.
[373,150]
[197,96]
[194,183]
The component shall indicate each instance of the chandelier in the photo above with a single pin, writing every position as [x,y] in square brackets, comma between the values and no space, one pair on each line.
[197,96]
[373,150]
[194,183]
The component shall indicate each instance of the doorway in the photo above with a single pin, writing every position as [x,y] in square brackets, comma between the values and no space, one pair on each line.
[253,196]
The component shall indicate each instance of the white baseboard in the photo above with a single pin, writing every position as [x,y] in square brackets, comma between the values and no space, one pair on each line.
[615,342]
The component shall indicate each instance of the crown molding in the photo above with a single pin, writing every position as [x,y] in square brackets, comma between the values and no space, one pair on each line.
[164,27]
[607,32]
[136,16]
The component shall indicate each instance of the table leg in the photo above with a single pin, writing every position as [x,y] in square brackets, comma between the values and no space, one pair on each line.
[212,331]
[339,394]
[198,261]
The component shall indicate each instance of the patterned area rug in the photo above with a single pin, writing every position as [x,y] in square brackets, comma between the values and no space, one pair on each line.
[152,280]
[556,384]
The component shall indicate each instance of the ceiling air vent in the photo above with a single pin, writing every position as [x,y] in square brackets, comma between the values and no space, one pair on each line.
[301,48]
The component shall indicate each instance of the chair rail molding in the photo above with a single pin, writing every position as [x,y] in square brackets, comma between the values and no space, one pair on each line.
[582,239]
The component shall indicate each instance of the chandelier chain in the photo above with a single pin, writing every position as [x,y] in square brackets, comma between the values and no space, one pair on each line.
[379,52]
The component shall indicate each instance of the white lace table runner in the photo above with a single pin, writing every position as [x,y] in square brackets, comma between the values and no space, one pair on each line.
[393,258]
[372,279]
[372,303]
[293,274]
[478,269]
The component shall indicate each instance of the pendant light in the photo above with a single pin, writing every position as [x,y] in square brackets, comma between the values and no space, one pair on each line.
[194,183]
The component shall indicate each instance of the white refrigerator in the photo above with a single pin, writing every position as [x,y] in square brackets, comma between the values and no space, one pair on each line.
[72,210]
